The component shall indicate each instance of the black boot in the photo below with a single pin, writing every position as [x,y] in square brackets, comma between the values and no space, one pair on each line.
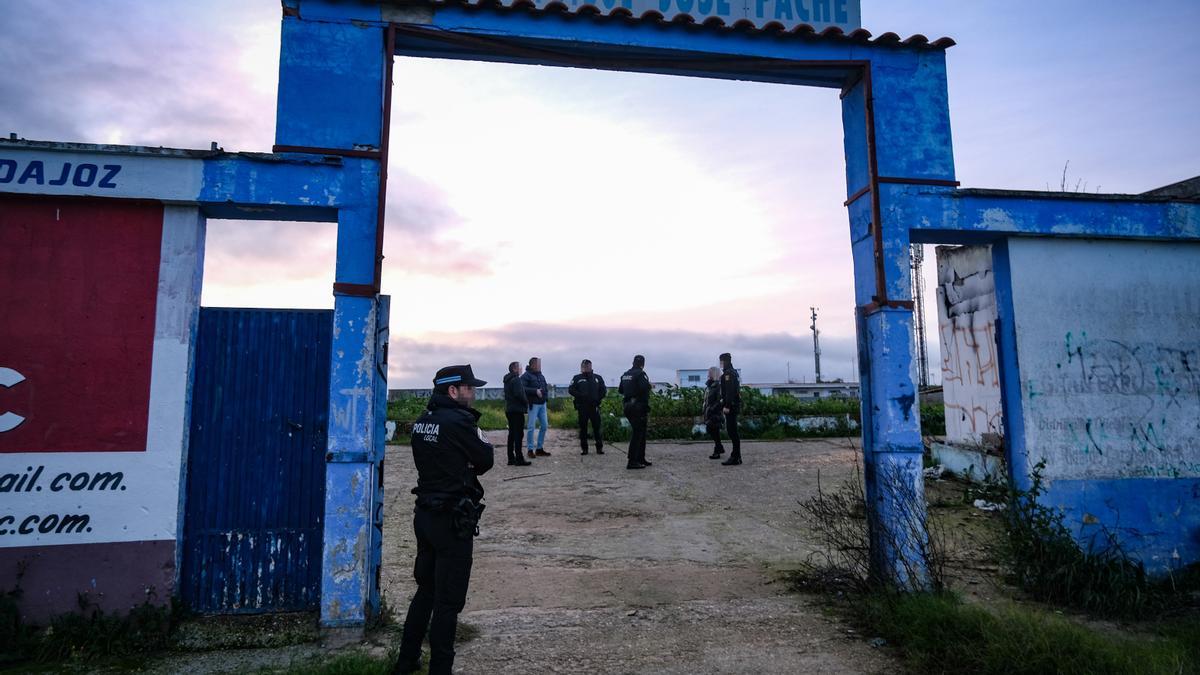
[733,460]
[717,452]
[405,666]
[599,449]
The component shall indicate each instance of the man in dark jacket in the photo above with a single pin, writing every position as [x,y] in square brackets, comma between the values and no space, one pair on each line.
[731,405]
[712,411]
[537,393]
[635,390]
[588,390]
[450,453]
[516,404]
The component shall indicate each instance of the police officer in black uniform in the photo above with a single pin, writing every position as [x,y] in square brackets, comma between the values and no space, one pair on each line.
[588,390]
[635,389]
[450,453]
[731,405]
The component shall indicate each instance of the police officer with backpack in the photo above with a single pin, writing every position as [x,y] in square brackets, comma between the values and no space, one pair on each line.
[635,390]
[450,453]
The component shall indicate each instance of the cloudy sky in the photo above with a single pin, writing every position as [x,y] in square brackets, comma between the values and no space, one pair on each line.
[570,213]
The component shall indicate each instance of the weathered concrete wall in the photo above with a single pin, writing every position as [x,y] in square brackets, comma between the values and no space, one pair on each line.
[90,475]
[1107,354]
[966,306]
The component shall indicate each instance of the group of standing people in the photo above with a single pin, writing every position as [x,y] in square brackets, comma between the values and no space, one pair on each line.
[525,396]
[722,404]
[450,453]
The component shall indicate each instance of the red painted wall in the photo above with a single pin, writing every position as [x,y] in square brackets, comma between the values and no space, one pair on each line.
[78,289]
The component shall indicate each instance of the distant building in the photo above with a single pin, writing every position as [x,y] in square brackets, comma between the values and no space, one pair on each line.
[696,377]
[693,377]
[808,390]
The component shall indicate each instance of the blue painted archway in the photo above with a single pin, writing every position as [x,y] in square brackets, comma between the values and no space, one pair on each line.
[334,99]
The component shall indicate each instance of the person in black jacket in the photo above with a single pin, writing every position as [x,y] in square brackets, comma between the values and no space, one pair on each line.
[588,390]
[450,453]
[516,403]
[635,389]
[731,405]
[712,411]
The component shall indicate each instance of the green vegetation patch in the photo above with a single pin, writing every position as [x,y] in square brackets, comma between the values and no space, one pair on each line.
[941,634]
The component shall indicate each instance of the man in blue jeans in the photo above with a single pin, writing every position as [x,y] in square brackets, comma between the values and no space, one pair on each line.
[536,391]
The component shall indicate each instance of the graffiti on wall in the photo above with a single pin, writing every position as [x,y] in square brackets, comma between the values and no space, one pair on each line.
[1109,357]
[1139,405]
[967,328]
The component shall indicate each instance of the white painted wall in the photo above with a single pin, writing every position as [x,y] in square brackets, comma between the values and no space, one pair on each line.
[1108,342]
[145,506]
[966,311]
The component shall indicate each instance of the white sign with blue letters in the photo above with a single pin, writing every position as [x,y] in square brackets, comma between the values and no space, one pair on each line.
[39,172]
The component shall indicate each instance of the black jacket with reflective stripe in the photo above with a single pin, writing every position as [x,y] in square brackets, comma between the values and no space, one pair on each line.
[449,450]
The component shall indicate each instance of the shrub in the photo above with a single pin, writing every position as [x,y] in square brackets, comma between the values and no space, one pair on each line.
[938,633]
[16,637]
[87,635]
[1045,560]
[93,634]
[846,531]
[933,419]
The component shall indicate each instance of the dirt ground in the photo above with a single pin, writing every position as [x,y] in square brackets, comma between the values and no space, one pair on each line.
[583,566]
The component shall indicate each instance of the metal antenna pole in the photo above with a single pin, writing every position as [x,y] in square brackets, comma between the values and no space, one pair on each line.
[816,343]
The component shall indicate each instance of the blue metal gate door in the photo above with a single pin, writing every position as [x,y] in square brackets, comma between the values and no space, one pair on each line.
[255,495]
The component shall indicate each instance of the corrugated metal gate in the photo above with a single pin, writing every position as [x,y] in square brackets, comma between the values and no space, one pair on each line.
[256,461]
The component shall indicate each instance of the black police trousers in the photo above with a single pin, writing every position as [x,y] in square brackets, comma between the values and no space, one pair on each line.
[591,415]
[637,441]
[516,431]
[442,571]
[735,437]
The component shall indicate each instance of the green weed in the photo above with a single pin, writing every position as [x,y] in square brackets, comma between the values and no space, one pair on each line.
[940,634]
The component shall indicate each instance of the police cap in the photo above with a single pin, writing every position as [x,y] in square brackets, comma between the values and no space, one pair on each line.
[456,376]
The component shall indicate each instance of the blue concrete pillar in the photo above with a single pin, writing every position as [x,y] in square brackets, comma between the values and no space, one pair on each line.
[896,124]
[333,76]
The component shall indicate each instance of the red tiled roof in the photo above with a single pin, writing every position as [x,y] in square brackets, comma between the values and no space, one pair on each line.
[803,30]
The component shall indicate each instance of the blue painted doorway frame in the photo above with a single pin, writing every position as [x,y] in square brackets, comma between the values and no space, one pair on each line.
[334,99]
